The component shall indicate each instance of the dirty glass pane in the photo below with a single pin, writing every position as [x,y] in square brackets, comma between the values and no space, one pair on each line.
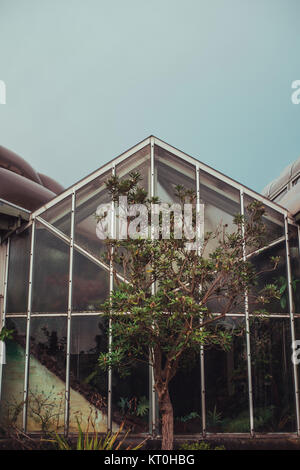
[11,409]
[47,373]
[18,273]
[88,396]
[90,284]
[88,200]
[226,383]
[50,273]
[59,215]
[273,392]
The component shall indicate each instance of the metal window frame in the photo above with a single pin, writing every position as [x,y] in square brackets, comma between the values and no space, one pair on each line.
[156,141]
[4,305]
[153,404]
[37,217]
[69,316]
[247,333]
[110,338]
[292,320]
[28,324]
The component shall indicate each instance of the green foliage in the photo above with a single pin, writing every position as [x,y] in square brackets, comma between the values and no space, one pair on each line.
[92,441]
[6,334]
[192,415]
[199,446]
[282,284]
[214,418]
[164,307]
[142,406]
[138,407]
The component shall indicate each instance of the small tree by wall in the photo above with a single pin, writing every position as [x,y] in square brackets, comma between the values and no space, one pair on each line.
[163,311]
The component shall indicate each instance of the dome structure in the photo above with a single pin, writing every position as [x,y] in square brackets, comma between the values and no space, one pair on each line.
[21,185]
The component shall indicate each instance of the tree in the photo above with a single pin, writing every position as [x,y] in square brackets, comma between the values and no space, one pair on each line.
[161,311]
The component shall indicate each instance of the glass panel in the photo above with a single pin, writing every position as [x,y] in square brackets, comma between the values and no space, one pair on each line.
[138,162]
[88,382]
[267,275]
[185,393]
[50,273]
[131,398]
[88,199]
[90,285]
[18,273]
[273,392]
[295,266]
[60,215]
[221,204]
[47,372]
[13,375]
[273,221]
[226,383]
[172,171]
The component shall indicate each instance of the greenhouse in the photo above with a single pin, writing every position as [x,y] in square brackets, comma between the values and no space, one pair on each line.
[54,281]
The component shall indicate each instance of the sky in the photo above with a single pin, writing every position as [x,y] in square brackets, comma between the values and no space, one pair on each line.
[86,80]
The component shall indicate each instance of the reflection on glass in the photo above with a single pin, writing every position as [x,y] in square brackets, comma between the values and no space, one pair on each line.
[185,393]
[59,215]
[131,398]
[47,373]
[221,204]
[13,375]
[88,199]
[18,273]
[138,162]
[172,171]
[273,393]
[227,406]
[50,273]
[90,284]
[266,274]
[273,221]
[88,399]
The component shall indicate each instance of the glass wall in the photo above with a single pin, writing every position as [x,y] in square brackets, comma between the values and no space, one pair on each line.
[50,273]
[226,374]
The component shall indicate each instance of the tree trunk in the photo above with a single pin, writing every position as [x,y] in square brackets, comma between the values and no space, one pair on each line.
[166,409]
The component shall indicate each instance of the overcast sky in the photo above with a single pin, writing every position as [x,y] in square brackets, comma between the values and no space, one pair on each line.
[88,79]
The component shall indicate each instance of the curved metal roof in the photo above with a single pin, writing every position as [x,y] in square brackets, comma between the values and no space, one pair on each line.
[286,188]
